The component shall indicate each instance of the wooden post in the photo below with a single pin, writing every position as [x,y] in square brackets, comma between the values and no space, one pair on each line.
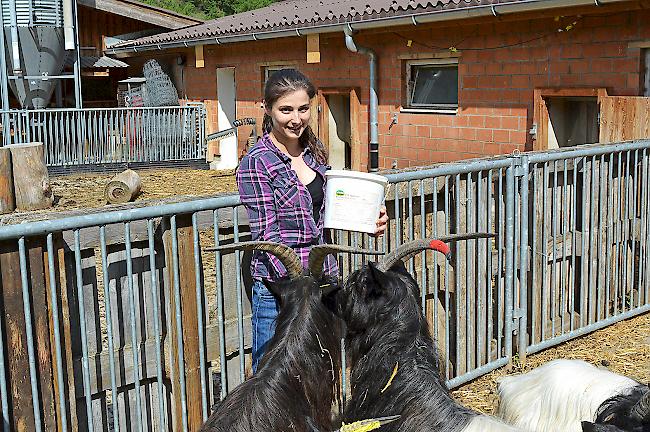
[191,367]
[123,188]
[68,386]
[15,327]
[7,198]
[31,180]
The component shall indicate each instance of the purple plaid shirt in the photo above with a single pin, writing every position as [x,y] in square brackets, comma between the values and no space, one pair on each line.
[279,207]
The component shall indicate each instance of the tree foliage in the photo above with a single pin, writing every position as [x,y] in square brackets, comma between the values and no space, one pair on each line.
[209,9]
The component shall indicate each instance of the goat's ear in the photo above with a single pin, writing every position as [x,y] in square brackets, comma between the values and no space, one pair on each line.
[376,274]
[279,290]
[378,279]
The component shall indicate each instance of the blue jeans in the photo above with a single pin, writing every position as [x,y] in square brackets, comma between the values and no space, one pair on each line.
[265,311]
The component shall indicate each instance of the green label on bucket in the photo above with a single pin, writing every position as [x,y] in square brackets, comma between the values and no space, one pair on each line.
[340,192]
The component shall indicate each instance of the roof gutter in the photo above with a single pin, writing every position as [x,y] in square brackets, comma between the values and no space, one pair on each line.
[410,19]
[373,150]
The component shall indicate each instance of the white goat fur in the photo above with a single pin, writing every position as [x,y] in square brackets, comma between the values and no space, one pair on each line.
[558,395]
[483,423]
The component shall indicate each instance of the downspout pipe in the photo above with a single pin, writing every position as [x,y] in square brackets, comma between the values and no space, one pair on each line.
[373,147]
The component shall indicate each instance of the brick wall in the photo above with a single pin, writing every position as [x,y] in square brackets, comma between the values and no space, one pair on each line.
[500,64]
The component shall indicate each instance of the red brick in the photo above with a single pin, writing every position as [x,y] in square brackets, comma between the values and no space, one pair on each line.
[493,122]
[520,81]
[452,132]
[476,121]
[402,141]
[518,137]
[510,123]
[570,51]
[461,121]
[501,136]
[423,131]
[439,131]
[467,134]
[484,135]
[470,81]
[445,120]
[601,65]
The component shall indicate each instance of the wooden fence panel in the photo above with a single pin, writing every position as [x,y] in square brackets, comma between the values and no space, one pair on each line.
[624,118]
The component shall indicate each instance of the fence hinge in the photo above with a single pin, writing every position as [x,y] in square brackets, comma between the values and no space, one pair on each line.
[517,314]
[518,163]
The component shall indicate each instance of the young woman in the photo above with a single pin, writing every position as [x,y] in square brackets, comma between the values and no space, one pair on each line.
[282,185]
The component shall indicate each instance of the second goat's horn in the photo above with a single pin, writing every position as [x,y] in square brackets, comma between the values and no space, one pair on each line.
[407,250]
[318,253]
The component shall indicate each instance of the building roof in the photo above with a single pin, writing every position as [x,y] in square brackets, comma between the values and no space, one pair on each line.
[95,62]
[301,17]
[143,12]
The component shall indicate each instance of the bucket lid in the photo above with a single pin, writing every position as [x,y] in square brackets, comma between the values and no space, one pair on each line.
[357,175]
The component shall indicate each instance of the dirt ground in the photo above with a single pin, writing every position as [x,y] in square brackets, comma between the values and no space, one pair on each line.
[87,190]
[623,348]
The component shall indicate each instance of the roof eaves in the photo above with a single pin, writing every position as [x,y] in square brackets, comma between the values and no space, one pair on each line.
[384,19]
[143,12]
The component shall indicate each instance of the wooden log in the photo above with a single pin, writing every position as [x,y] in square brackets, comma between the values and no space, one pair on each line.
[7,198]
[122,188]
[31,181]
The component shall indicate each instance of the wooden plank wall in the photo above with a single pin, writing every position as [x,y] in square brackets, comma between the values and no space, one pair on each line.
[624,118]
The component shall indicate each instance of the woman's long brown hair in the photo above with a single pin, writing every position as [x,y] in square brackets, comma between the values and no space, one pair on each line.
[279,84]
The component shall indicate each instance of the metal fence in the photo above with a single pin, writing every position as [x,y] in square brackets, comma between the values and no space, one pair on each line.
[118,320]
[74,136]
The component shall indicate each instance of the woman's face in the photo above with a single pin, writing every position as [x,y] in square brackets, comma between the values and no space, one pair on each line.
[290,115]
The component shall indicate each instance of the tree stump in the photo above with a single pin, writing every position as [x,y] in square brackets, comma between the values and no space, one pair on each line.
[31,180]
[7,198]
[123,188]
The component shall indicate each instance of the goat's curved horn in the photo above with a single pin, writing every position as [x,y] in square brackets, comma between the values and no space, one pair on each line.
[409,249]
[284,253]
[318,253]
[641,411]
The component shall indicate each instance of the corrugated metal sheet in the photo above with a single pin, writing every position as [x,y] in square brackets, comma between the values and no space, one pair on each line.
[90,62]
[290,14]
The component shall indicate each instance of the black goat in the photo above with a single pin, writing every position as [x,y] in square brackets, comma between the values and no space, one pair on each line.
[298,377]
[394,360]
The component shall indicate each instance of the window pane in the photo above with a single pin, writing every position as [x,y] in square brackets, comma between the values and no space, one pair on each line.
[435,85]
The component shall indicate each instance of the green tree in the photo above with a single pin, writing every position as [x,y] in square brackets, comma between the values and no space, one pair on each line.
[209,9]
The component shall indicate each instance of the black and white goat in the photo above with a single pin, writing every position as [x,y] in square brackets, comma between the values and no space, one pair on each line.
[297,380]
[394,361]
[573,395]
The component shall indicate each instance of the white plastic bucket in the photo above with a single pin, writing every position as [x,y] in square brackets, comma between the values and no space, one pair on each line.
[353,200]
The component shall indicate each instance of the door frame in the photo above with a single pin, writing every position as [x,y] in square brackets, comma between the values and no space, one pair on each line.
[320,123]
[541,114]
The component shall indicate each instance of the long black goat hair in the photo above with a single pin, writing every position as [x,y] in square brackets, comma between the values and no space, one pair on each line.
[394,360]
[298,377]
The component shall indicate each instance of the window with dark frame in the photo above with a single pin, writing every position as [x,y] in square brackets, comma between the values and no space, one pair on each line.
[269,70]
[432,84]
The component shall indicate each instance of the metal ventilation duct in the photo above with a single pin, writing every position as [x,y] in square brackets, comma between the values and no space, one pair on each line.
[35,40]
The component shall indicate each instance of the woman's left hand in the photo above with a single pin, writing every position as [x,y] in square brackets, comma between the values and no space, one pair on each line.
[382,222]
